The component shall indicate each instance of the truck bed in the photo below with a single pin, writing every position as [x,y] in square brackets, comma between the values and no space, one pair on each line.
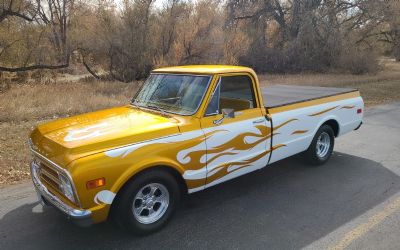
[281,95]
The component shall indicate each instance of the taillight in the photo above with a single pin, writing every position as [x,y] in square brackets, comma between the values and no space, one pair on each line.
[359,111]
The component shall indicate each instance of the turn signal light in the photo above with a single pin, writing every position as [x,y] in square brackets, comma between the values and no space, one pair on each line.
[359,111]
[95,183]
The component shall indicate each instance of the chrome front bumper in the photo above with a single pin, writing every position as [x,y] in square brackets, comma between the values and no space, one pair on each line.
[78,216]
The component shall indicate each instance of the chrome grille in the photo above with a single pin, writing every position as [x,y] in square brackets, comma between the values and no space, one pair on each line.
[49,176]
[53,177]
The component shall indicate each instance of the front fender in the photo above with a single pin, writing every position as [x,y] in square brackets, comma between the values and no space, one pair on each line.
[116,171]
[141,166]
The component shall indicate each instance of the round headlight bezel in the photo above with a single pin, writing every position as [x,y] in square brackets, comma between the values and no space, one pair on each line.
[67,188]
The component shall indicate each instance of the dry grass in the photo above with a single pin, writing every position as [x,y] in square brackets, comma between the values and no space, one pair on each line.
[379,88]
[24,106]
[37,102]
[14,153]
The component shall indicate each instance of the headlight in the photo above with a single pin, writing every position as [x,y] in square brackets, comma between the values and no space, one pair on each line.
[66,188]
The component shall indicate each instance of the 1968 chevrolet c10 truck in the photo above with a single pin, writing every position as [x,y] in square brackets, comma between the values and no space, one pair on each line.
[188,128]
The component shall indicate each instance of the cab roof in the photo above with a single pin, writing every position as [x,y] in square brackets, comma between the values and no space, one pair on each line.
[205,69]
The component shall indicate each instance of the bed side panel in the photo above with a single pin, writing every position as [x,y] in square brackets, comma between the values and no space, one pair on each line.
[295,128]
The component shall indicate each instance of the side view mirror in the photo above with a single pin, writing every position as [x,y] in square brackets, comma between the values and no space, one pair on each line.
[226,113]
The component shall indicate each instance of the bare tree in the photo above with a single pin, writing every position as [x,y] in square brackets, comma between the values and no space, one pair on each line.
[125,42]
[21,9]
[57,14]
[52,14]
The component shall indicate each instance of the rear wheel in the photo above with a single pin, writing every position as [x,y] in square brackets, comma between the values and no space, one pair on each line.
[321,147]
[147,203]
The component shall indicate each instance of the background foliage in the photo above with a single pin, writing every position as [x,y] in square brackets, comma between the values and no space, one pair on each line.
[124,40]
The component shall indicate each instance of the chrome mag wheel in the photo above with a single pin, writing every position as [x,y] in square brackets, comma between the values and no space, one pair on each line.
[150,203]
[323,145]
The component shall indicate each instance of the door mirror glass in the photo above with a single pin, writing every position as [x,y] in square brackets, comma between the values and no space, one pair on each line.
[228,113]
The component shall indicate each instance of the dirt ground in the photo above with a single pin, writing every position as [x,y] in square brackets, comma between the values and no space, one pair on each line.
[22,107]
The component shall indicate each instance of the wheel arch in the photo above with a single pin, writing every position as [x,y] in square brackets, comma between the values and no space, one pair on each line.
[334,124]
[161,167]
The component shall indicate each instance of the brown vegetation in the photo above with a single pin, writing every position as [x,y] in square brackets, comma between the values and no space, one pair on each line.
[48,101]
[22,107]
[124,42]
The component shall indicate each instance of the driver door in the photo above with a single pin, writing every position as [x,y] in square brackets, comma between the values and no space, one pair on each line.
[237,143]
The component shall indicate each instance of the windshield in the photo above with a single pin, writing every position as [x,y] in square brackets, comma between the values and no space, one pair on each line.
[179,94]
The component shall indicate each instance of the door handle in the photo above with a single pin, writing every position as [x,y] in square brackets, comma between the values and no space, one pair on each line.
[259,121]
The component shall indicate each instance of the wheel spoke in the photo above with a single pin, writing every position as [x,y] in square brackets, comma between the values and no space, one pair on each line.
[151,211]
[153,190]
[139,210]
[160,198]
[323,144]
[140,195]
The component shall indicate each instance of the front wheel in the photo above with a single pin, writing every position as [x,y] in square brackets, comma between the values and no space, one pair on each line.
[321,147]
[147,203]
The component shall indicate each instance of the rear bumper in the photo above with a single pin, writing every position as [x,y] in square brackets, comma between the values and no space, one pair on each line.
[78,216]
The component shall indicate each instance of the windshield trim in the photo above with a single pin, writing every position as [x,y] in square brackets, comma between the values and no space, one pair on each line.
[170,112]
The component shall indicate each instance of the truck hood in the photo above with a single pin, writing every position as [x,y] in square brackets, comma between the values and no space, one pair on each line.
[65,140]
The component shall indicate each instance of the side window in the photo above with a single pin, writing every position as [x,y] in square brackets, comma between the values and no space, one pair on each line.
[232,92]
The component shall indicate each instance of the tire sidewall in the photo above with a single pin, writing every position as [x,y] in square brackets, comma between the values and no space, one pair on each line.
[312,151]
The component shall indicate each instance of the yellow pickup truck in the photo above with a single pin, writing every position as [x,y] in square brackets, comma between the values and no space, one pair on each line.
[188,128]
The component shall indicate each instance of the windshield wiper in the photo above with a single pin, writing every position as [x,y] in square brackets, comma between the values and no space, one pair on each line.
[154,107]
[134,103]
[149,106]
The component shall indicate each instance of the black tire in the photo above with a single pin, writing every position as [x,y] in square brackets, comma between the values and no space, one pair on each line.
[122,210]
[312,155]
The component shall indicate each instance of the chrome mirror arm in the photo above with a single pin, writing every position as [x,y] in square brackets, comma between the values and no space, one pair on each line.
[226,113]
